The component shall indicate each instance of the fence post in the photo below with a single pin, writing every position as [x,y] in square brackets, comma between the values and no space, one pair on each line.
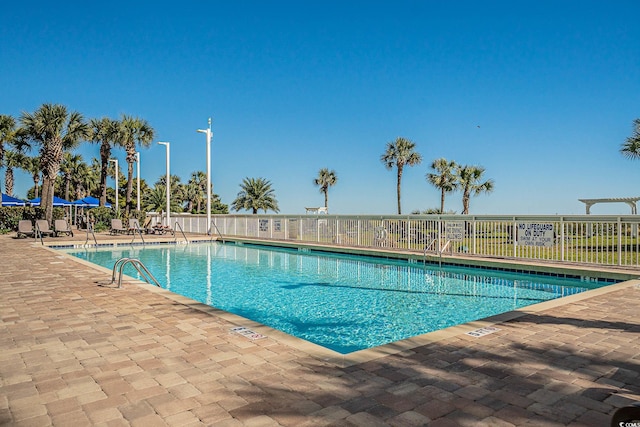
[619,241]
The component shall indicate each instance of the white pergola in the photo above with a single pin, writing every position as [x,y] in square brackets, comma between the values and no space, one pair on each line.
[321,210]
[631,201]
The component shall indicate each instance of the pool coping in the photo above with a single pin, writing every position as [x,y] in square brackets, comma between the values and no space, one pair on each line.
[366,355]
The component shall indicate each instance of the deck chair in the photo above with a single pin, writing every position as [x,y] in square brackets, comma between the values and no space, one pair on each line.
[116,227]
[134,226]
[25,228]
[62,227]
[42,228]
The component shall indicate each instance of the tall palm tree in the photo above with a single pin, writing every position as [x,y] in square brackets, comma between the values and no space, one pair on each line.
[469,180]
[54,130]
[326,178]
[104,131]
[400,153]
[32,166]
[196,190]
[631,148]
[7,133]
[444,179]
[91,180]
[256,194]
[12,159]
[155,200]
[69,169]
[133,132]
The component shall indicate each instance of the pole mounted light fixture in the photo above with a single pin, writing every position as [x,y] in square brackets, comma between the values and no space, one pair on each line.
[116,175]
[138,176]
[167,184]
[209,134]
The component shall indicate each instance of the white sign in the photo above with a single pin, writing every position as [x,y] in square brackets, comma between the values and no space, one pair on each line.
[483,331]
[248,333]
[536,234]
[454,231]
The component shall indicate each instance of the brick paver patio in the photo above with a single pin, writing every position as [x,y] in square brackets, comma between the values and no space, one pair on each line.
[73,353]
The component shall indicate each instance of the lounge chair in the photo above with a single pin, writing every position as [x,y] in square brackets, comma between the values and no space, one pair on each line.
[134,226]
[162,229]
[116,227]
[62,227]
[25,228]
[146,227]
[42,228]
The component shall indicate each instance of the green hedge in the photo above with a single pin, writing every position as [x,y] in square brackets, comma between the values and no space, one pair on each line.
[9,217]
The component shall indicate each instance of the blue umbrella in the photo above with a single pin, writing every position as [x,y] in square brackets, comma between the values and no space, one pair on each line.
[11,201]
[57,201]
[90,202]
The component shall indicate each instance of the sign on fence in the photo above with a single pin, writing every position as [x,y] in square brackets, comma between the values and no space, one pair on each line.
[536,234]
[454,231]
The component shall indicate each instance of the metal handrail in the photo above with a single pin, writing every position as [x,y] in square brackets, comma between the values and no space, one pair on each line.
[218,230]
[90,228]
[138,265]
[175,237]
[137,228]
[38,233]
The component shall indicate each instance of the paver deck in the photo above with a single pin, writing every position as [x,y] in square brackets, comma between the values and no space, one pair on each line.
[73,353]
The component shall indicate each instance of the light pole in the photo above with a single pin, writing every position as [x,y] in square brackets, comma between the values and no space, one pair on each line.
[116,175]
[209,134]
[138,175]
[167,184]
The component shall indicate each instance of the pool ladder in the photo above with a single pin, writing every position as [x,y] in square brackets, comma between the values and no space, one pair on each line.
[138,265]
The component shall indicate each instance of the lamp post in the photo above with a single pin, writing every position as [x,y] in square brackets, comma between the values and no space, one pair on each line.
[138,176]
[167,184]
[116,175]
[209,134]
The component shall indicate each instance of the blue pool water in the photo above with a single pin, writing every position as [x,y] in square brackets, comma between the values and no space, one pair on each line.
[341,302]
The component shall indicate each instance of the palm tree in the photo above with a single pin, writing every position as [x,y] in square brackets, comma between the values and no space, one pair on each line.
[12,160]
[469,180]
[70,169]
[256,194]
[400,153]
[7,133]
[326,178]
[631,148]
[197,194]
[104,132]
[445,179]
[54,130]
[32,166]
[155,200]
[133,132]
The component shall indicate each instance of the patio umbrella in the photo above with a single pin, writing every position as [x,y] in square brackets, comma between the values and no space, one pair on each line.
[90,202]
[57,201]
[7,200]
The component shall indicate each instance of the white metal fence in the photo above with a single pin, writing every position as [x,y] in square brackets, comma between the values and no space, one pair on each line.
[585,239]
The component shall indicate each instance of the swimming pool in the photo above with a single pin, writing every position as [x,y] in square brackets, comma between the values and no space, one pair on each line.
[342,302]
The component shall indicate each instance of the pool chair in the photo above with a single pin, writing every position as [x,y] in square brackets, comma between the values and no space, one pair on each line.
[116,227]
[62,227]
[25,228]
[42,228]
[162,229]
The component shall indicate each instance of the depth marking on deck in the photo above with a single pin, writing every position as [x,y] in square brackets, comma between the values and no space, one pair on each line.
[245,332]
[482,331]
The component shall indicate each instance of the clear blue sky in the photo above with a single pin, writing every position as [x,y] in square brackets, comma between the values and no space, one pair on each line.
[540,93]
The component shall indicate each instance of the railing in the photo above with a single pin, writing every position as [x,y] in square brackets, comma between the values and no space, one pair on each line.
[138,265]
[136,229]
[210,231]
[175,234]
[90,230]
[583,239]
